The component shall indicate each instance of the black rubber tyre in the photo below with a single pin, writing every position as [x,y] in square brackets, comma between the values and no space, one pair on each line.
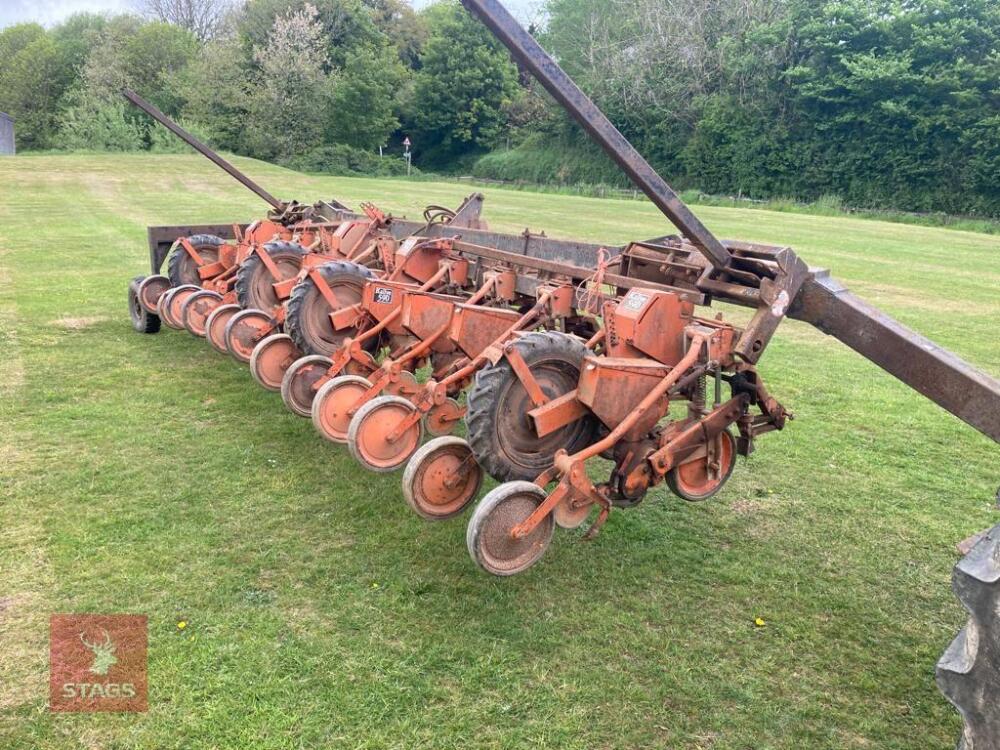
[253,280]
[142,321]
[308,320]
[499,431]
[181,268]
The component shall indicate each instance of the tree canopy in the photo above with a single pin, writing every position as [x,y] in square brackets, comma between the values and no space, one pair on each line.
[884,103]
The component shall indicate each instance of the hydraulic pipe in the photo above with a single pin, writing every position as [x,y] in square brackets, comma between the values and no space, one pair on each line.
[530,54]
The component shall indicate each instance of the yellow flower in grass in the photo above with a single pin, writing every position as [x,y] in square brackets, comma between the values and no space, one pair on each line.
[181,625]
[759,622]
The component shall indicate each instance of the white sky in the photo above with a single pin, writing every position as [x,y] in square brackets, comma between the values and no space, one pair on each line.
[47,12]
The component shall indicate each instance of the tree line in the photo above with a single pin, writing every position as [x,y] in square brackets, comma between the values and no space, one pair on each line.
[883,103]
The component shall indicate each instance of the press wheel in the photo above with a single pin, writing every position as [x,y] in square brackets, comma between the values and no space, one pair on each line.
[244,331]
[166,308]
[370,428]
[442,478]
[215,326]
[149,291]
[443,418]
[197,308]
[696,480]
[406,386]
[271,358]
[333,402]
[488,535]
[297,385]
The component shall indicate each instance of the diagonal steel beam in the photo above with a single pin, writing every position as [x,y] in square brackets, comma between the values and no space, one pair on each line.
[201,148]
[530,54]
[934,372]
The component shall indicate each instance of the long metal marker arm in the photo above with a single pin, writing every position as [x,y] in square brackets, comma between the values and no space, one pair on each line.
[201,148]
[943,377]
[530,54]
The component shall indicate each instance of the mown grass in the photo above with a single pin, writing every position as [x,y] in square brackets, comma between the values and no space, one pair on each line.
[150,475]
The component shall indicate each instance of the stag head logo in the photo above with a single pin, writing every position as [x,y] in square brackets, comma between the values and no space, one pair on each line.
[104,653]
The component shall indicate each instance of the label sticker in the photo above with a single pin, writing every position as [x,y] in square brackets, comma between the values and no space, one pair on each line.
[383,295]
[636,300]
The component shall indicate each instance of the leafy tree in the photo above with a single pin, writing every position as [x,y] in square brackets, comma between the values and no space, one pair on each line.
[216,93]
[405,28]
[289,105]
[364,98]
[77,36]
[96,123]
[203,18]
[345,25]
[33,78]
[465,81]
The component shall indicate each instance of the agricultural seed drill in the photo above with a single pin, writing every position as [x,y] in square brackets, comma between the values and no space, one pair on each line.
[590,348]
[544,396]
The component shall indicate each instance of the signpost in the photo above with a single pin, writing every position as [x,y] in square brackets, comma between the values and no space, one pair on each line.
[408,154]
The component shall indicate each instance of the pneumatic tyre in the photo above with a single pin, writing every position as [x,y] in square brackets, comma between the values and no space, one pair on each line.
[181,267]
[502,436]
[142,320]
[254,282]
[308,319]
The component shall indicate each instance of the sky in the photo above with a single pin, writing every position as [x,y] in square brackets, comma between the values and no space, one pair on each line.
[48,12]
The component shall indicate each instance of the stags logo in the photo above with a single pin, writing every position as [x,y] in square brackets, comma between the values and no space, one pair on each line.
[104,654]
[97,662]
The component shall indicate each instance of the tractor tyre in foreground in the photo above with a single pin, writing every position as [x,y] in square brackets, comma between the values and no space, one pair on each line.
[968,672]
[254,282]
[183,269]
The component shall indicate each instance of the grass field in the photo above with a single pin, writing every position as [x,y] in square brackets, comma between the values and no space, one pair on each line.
[147,474]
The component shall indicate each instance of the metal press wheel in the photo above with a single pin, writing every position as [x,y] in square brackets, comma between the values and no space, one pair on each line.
[197,308]
[165,306]
[442,478]
[215,326]
[488,535]
[149,290]
[331,407]
[244,331]
[271,358]
[367,436]
[297,384]
[696,480]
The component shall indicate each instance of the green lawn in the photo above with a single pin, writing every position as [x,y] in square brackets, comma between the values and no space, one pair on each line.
[147,474]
